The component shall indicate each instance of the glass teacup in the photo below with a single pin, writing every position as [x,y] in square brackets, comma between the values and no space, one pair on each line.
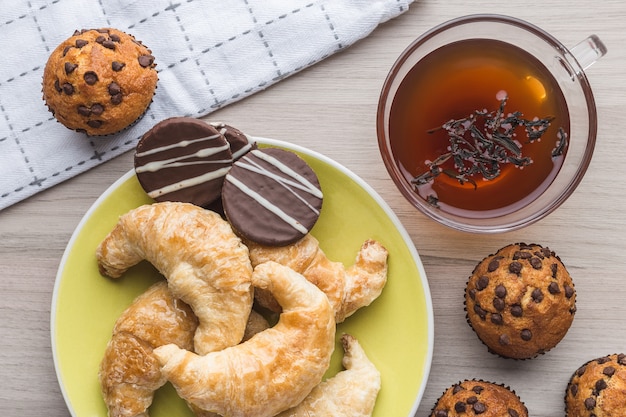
[487,123]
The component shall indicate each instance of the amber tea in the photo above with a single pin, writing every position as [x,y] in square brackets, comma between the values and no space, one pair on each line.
[480,128]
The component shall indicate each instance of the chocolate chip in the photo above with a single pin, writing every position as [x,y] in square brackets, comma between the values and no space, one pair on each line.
[526,335]
[513,413]
[103,30]
[498,304]
[83,110]
[621,359]
[114,37]
[117,66]
[569,291]
[573,389]
[441,413]
[146,60]
[521,255]
[580,371]
[515,267]
[600,385]
[80,43]
[116,99]
[109,44]
[70,67]
[538,254]
[68,89]
[554,268]
[536,263]
[114,89]
[496,318]
[67,49]
[459,407]
[90,77]
[524,246]
[100,39]
[94,123]
[481,313]
[546,252]
[608,371]
[97,109]
[472,400]
[516,310]
[482,282]
[537,295]
[553,288]
[477,389]
[479,408]
[457,388]
[472,293]
[500,291]
[590,403]
[504,339]
[57,86]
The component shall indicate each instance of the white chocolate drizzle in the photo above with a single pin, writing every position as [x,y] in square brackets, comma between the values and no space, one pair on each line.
[295,181]
[178,161]
[189,182]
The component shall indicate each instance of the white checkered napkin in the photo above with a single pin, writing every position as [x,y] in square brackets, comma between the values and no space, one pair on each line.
[209,53]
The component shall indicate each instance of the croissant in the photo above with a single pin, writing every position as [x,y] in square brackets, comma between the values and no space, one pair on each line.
[350,393]
[129,373]
[205,264]
[274,370]
[348,289]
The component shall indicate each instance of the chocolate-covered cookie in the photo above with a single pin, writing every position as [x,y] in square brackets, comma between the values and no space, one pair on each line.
[272,196]
[183,159]
[239,143]
[520,301]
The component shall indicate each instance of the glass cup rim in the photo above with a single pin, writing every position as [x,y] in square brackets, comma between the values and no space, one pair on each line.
[491,225]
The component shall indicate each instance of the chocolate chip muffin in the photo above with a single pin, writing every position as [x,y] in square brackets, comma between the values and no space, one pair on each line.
[520,301]
[598,388]
[99,81]
[476,397]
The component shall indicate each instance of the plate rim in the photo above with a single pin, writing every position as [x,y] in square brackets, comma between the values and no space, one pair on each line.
[297,148]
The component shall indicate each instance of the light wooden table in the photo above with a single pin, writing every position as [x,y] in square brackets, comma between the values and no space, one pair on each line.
[330,108]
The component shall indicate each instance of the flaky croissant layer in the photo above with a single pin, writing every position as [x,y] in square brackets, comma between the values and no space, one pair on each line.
[205,264]
[350,393]
[129,373]
[348,289]
[274,370]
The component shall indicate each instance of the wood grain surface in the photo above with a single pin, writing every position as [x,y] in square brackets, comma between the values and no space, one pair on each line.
[330,108]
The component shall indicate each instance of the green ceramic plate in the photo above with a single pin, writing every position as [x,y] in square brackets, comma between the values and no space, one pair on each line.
[396,330]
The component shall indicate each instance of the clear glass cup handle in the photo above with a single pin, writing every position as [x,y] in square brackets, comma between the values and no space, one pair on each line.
[589,51]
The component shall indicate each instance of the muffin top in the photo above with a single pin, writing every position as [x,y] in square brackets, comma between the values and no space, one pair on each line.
[475,397]
[520,301]
[598,388]
[99,81]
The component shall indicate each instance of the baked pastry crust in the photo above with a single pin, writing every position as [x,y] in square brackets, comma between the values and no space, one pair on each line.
[274,370]
[350,393]
[129,373]
[205,264]
[347,289]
